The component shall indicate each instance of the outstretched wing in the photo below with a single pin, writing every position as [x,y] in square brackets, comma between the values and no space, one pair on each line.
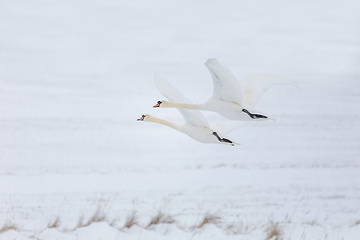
[193,117]
[226,86]
[254,86]
[226,127]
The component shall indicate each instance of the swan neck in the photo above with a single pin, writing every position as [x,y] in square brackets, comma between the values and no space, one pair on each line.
[185,105]
[164,122]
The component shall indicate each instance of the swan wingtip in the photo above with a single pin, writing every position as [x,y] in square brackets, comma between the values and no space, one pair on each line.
[156,76]
[211,61]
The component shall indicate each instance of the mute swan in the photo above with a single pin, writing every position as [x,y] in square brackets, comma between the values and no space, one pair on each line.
[231,99]
[200,133]
[196,125]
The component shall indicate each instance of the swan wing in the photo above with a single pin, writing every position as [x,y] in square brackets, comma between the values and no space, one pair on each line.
[254,86]
[192,117]
[226,127]
[226,86]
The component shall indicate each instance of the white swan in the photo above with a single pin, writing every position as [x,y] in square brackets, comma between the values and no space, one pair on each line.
[230,99]
[200,133]
[196,125]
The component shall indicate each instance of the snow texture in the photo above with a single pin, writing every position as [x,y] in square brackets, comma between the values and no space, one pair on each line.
[75,163]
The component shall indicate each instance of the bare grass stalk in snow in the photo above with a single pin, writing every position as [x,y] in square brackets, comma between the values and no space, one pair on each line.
[273,232]
[160,218]
[9,226]
[131,220]
[209,219]
[54,224]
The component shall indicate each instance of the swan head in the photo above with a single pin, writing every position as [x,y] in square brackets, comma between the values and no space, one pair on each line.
[162,104]
[149,118]
[142,117]
[157,104]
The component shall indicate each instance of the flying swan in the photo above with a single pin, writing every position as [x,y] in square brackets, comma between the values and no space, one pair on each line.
[196,125]
[230,98]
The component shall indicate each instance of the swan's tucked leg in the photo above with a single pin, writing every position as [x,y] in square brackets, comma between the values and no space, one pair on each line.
[222,139]
[254,115]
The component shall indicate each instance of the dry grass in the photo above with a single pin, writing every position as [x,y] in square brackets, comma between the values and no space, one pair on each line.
[114,223]
[160,218]
[9,226]
[80,223]
[209,219]
[231,228]
[98,216]
[273,232]
[55,224]
[131,220]
[236,229]
[356,223]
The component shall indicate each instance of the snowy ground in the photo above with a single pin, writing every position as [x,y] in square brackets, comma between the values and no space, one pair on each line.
[75,164]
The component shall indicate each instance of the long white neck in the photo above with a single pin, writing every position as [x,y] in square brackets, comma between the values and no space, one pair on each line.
[163,122]
[182,105]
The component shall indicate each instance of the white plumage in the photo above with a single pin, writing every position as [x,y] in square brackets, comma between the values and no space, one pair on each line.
[196,125]
[230,98]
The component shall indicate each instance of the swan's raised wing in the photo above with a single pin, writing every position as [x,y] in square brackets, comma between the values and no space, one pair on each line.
[226,86]
[254,86]
[193,117]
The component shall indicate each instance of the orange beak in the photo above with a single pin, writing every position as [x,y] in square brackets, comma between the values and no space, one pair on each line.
[141,119]
[157,105]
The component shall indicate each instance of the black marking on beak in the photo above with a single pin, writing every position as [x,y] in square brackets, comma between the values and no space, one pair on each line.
[158,104]
[142,118]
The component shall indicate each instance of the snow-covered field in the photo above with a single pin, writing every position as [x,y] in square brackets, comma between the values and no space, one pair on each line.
[75,163]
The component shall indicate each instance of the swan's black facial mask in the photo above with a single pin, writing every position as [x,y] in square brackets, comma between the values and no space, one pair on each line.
[158,104]
[142,118]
